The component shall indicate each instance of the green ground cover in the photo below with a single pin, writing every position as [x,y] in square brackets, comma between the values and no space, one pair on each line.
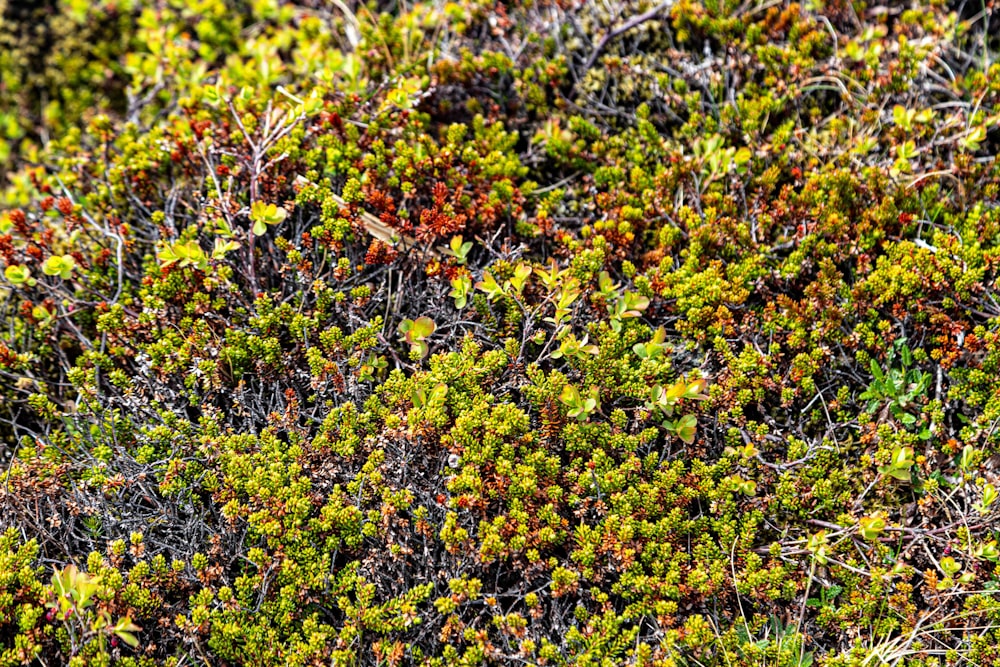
[467,333]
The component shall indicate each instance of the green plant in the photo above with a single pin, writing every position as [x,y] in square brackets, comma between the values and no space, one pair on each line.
[781,643]
[667,401]
[461,288]
[415,333]
[655,348]
[565,298]
[184,254]
[990,496]
[570,347]
[900,464]
[59,265]
[655,279]
[818,545]
[827,594]
[19,275]
[490,286]
[952,577]
[74,594]
[629,305]
[580,406]
[898,389]
[371,367]
[263,215]
[460,249]
[871,527]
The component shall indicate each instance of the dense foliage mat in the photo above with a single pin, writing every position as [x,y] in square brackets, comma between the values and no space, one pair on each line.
[547,333]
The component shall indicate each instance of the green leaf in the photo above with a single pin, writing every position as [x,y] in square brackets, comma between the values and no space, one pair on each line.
[990,495]
[128,638]
[696,389]
[167,256]
[422,328]
[223,247]
[816,545]
[968,456]
[580,407]
[686,428]
[439,393]
[876,371]
[415,331]
[460,248]
[61,266]
[634,304]
[570,395]
[950,566]
[973,139]
[900,464]
[945,584]
[741,158]
[489,285]
[18,274]
[211,95]
[988,550]
[551,278]
[222,228]
[262,215]
[606,286]
[903,117]
[460,287]
[871,527]
[521,273]
[185,254]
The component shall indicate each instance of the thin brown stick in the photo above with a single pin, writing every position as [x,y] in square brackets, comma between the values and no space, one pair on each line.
[625,27]
[387,234]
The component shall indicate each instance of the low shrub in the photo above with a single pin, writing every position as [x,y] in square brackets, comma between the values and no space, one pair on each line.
[538,333]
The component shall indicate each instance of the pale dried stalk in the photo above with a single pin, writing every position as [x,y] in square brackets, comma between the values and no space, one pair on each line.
[384,232]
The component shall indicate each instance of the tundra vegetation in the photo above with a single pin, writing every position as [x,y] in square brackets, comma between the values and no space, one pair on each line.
[546,332]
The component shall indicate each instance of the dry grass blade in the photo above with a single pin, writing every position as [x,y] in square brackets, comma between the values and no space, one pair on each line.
[387,234]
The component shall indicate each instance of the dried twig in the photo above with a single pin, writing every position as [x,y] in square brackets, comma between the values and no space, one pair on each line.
[633,22]
[384,232]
